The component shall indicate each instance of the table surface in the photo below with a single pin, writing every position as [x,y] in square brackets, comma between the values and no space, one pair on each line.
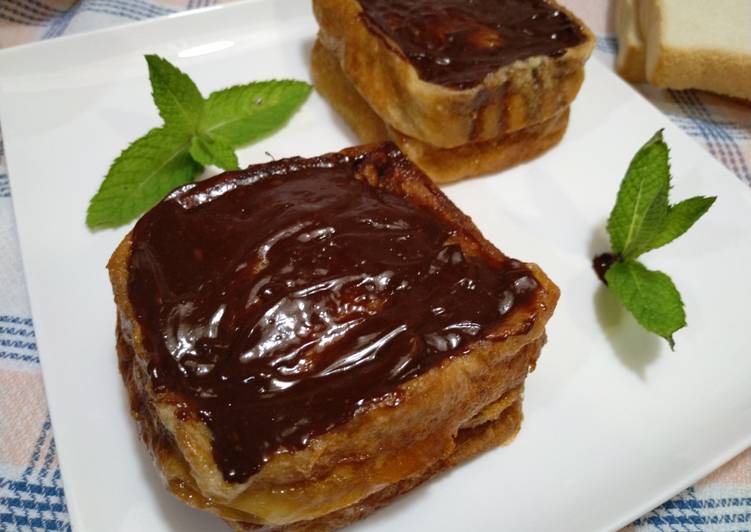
[31,492]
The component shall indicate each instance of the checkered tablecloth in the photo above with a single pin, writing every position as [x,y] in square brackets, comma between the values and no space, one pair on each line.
[31,491]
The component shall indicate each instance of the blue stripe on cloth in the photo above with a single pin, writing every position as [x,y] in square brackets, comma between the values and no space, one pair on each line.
[14,331]
[194,4]
[19,503]
[33,10]
[17,344]
[117,13]
[683,513]
[36,499]
[738,162]
[673,520]
[41,6]
[607,44]
[720,144]
[724,502]
[15,20]
[4,186]
[60,24]
[33,523]
[17,339]
[130,9]
[35,489]
[15,13]
[16,320]
[37,453]
[10,355]
[736,130]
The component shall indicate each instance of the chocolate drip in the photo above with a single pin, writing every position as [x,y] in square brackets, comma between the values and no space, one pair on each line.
[602,263]
[280,299]
[457,43]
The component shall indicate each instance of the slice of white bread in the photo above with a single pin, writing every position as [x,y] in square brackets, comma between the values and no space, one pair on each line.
[631,52]
[698,44]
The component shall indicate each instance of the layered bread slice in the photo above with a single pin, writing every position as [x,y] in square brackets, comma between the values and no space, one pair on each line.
[449,72]
[495,426]
[306,339]
[441,164]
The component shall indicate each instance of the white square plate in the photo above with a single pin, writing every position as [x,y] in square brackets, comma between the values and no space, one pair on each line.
[615,422]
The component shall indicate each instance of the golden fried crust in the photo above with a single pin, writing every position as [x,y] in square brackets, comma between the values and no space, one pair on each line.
[469,443]
[514,97]
[443,165]
[384,443]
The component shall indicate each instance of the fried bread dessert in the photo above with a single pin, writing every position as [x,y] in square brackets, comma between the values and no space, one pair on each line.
[453,72]
[306,339]
[441,164]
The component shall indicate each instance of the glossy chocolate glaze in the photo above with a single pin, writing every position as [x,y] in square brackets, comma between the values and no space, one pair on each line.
[457,43]
[280,299]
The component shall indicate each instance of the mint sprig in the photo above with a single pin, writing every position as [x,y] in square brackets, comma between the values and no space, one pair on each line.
[141,176]
[650,296]
[208,149]
[642,220]
[197,132]
[177,98]
[246,113]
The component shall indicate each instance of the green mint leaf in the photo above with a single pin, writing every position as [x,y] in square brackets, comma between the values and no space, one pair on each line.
[642,220]
[207,150]
[680,218]
[243,114]
[141,176]
[196,132]
[650,296]
[179,102]
[641,207]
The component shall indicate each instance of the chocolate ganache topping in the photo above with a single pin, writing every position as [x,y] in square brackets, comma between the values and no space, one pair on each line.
[281,299]
[457,43]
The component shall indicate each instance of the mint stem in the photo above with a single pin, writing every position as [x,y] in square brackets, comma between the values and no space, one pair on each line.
[602,263]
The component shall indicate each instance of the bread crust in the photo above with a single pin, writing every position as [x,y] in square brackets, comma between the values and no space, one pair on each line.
[443,165]
[631,51]
[384,443]
[523,93]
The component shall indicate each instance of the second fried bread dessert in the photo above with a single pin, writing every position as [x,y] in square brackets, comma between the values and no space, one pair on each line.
[441,164]
[306,339]
[453,72]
